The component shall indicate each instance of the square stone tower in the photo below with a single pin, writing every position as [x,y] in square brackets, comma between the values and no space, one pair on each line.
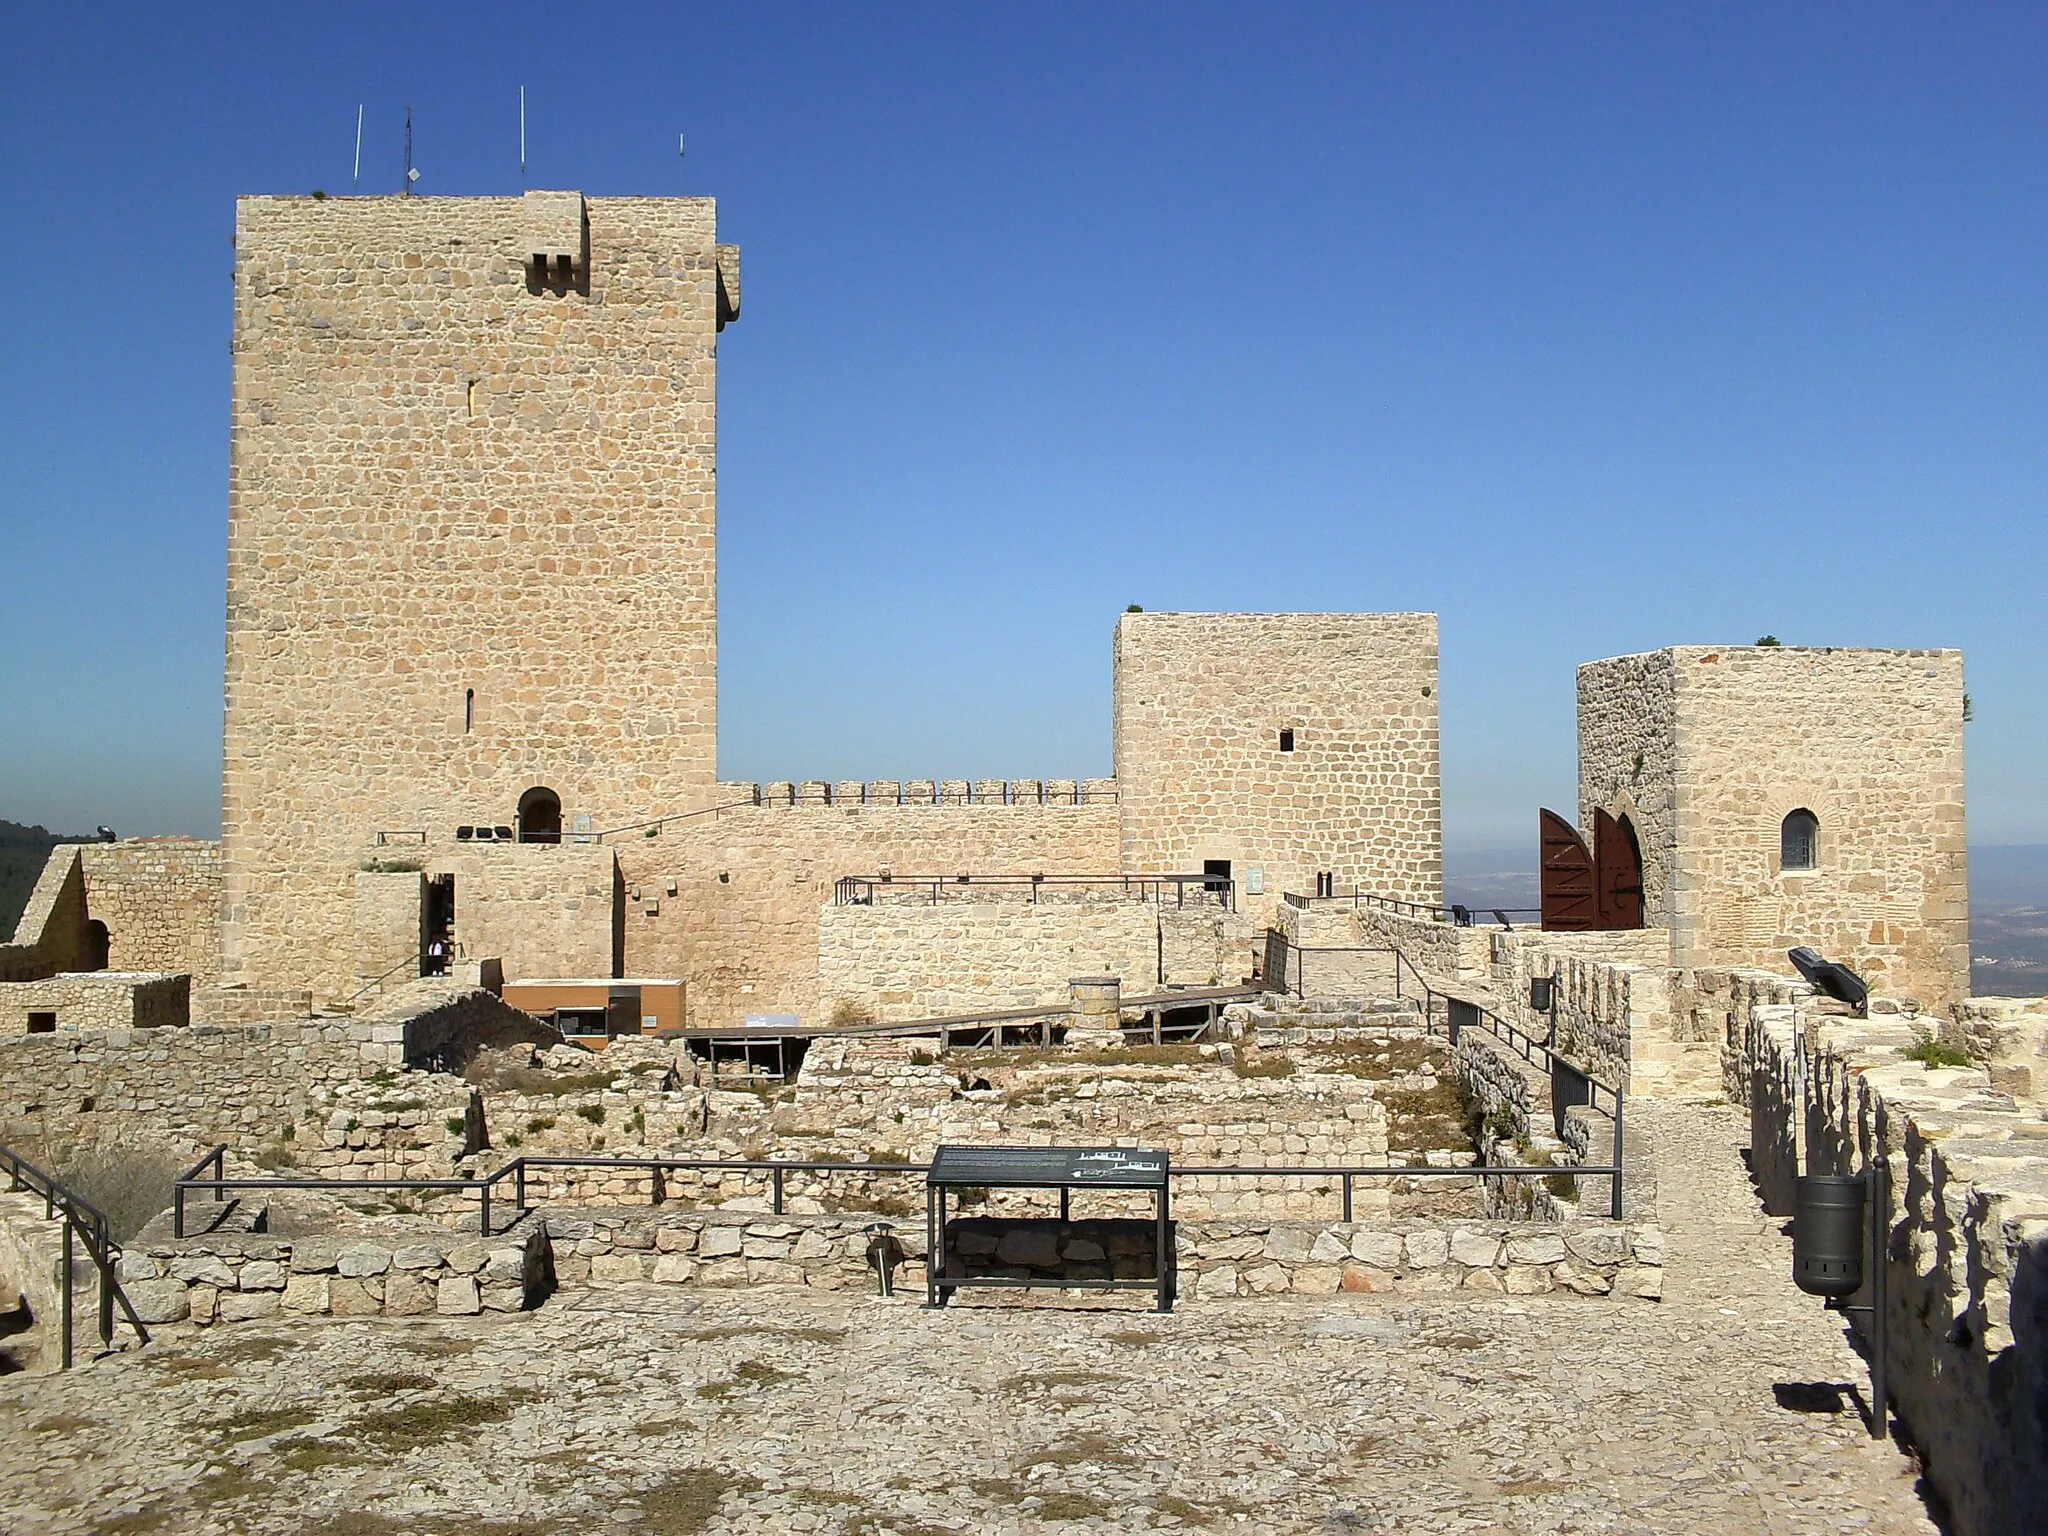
[1292,744]
[1791,795]
[471,541]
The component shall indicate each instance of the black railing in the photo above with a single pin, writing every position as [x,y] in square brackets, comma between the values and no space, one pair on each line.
[777,1173]
[1459,1014]
[1458,914]
[870,890]
[83,1222]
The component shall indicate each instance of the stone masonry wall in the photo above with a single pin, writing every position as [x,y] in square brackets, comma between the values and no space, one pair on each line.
[731,901]
[912,961]
[51,934]
[1870,741]
[471,542]
[1201,700]
[1965,1235]
[95,1000]
[160,900]
[1628,764]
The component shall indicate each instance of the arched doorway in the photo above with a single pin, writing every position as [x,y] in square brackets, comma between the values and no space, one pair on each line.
[1618,858]
[99,945]
[540,816]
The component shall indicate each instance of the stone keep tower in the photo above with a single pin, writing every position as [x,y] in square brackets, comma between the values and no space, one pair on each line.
[1790,795]
[471,541]
[1293,744]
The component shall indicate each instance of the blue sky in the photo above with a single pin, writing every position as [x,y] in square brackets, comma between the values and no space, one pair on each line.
[1592,328]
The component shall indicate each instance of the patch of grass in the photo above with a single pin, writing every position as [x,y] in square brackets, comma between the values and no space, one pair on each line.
[1444,1118]
[256,1423]
[535,1083]
[1080,1450]
[541,1123]
[191,1366]
[1029,1381]
[1134,1337]
[433,1346]
[812,1335]
[303,1453]
[154,1518]
[398,1106]
[1262,1065]
[688,1502]
[867,1523]
[454,1125]
[429,1423]
[275,1159]
[226,1481]
[63,1424]
[384,1383]
[648,1429]
[1530,1487]
[1930,1052]
[757,1373]
[1071,1506]
[594,1113]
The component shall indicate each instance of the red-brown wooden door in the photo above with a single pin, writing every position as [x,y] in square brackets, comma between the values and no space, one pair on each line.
[1571,896]
[1618,866]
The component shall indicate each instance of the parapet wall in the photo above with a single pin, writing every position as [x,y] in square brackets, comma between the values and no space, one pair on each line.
[97,1000]
[160,900]
[1966,1234]
[811,794]
[731,901]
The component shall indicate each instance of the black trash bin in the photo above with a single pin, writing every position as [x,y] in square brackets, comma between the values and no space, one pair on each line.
[1827,1235]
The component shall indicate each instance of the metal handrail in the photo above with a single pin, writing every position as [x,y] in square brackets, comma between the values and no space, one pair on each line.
[778,1170]
[861,890]
[1458,914]
[91,1226]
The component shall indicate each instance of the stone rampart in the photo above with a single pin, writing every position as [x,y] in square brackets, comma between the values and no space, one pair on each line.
[1965,1238]
[160,900]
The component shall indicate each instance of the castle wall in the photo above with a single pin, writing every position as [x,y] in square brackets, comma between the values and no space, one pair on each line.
[1870,741]
[1628,763]
[471,541]
[98,1000]
[741,924]
[51,934]
[914,961]
[1201,700]
[160,900]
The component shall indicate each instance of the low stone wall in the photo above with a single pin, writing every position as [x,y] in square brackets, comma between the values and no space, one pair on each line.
[98,1000]
[1214,1258]
[1966,1235]
[230,1278]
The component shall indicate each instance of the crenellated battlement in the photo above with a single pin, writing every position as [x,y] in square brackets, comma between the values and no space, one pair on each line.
[789,794]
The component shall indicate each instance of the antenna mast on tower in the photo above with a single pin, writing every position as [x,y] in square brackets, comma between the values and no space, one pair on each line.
[356,184]
[411,175]
[522,138]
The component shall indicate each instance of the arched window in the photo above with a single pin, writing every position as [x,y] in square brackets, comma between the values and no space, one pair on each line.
[540,816]
[1799,841]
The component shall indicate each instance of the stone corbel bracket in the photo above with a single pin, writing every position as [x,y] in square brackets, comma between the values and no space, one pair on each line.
[728,285]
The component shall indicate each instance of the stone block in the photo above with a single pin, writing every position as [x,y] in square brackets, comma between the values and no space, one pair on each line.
[1268,1280]
[1481,1280]
[1031,1247]
[408,1293]
[1646,1283]
[306,1294]
[617,1268]
[262,1275]
[246,1306]
[159,1301]
[1426,1249]
[1289,1245]
[204,1300]
[1598,1245]
[774,1272]
[1475,1250]
[355,1298]
[137,1267]
[1381,1250]
[1581,1282]
[203,1269]
[505,1264]
[1527,1279]
[361,1261]
[724,1272]
[314,1255]
[1329,1248]
[468,1258]
[1083,1251]
[502,1298]
[811,1248]
[675,1268]
[675,1239]
[1235,1248]
[1536,1248]
[721,1242]
[416,1256]
[1317,1279]
[457,1296]
[765,1247]
[1220,1281]
[1360,1277]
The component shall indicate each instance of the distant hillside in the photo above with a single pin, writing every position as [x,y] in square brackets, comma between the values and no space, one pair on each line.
[23,852]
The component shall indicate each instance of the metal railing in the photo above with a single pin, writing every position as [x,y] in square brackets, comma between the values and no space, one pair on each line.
[869,890]
[1461,1013]
[777,1173]
[83,1222]
[1458,914]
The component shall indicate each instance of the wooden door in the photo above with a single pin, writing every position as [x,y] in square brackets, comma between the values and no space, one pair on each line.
[1618,864]
[1570,894]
